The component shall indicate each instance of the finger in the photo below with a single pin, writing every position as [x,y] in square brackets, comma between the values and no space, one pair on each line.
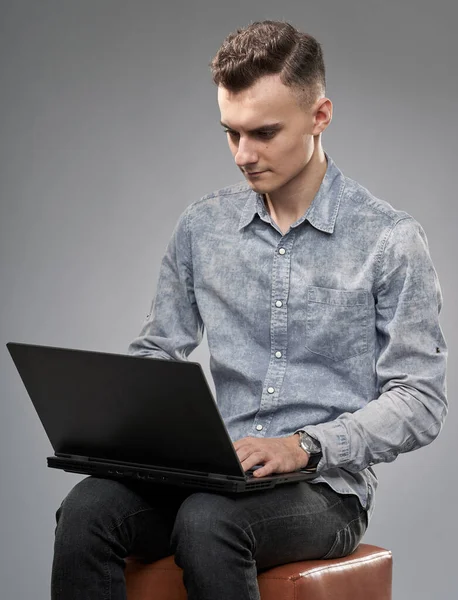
[244,453]
[274,465]
[267,469]
[247,447]
[255,458]
[241,442]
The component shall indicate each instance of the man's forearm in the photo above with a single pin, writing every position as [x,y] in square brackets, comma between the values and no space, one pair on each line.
[400,420]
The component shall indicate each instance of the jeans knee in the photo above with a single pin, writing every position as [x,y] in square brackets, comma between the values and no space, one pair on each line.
[205,523]
[201,513]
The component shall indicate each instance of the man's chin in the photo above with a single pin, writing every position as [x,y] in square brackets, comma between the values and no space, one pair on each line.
[257,187]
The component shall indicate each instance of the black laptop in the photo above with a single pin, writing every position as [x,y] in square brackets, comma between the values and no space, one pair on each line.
[122,416]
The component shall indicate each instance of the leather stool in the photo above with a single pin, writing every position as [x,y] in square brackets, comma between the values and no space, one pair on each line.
[364,575]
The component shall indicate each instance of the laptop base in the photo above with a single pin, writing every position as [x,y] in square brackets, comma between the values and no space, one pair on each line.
[210,482]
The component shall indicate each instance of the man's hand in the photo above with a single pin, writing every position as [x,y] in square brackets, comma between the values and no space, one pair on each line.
[277,455]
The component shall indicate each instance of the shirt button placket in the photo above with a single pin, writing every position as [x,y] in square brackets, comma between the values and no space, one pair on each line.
[278,326]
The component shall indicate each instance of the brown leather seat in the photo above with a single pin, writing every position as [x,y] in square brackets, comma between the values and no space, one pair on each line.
[364,575]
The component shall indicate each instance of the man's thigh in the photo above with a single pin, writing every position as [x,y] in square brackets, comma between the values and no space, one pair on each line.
[138,518]
[304,521]
[288,523]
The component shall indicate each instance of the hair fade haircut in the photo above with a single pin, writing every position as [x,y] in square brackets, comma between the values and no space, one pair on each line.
[268,48]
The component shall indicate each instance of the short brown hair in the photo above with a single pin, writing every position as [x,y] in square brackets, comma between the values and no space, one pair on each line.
[267,48]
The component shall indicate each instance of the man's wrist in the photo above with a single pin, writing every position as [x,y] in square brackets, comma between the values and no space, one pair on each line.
[312,448]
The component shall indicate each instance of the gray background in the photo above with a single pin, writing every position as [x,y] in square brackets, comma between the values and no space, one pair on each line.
[109,128]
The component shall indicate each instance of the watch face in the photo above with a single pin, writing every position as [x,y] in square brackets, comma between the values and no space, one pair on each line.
[308,444]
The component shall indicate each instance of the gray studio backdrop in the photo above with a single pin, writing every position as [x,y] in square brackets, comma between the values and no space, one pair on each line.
[109,128]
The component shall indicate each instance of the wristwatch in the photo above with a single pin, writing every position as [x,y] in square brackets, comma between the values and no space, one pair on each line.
[313,449]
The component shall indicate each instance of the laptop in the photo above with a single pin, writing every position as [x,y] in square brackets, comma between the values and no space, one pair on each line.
[121,416]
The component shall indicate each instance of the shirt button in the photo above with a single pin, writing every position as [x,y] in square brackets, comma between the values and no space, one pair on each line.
[278,303]
[278,354]
[281,251]
[271,390]
[259,427]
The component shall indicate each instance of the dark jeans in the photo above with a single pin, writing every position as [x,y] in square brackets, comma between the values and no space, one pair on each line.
[219,541]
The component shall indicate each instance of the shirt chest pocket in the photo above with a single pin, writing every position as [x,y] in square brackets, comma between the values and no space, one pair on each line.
[337,322]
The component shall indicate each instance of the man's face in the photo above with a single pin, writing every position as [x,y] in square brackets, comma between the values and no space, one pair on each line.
[270,136]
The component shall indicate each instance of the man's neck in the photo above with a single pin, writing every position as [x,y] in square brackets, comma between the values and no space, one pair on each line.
[287,205]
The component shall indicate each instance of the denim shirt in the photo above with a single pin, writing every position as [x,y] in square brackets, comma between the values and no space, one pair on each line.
[331,328]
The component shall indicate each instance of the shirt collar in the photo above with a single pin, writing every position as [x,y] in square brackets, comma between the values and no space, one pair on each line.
[322,212]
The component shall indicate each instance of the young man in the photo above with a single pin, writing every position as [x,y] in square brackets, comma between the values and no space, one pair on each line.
[321,307]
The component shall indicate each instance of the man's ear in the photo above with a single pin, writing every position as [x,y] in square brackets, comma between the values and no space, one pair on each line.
[322,115]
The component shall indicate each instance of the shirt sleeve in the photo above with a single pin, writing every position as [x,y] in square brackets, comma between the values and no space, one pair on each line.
[174,326]
[410,362]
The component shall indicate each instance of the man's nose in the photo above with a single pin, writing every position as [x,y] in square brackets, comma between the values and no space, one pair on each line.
[246,153]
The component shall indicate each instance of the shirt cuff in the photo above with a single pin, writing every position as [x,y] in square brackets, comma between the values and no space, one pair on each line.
[335,444]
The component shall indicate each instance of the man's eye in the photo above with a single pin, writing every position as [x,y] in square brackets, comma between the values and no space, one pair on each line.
[263,135]
[266,135]
[231,133]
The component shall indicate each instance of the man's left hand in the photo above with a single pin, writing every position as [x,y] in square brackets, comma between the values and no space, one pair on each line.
[277,455]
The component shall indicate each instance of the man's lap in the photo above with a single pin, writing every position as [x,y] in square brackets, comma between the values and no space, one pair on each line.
[291,522]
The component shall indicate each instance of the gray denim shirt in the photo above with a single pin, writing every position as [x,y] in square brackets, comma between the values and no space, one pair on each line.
[331,328]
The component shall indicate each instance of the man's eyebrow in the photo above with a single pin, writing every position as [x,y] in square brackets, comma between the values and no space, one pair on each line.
[267,127]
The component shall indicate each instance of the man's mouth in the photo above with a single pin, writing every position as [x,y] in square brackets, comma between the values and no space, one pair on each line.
[253,173]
